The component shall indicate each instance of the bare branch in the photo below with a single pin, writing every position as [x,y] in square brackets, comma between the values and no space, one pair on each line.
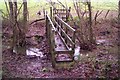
[96,16]
[37,20]
[19,9]
[61,4]
[7,7]
[107,13]
[100,13]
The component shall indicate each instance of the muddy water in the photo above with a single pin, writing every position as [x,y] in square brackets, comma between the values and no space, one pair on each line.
[105,42]
[77,53]
[34,52]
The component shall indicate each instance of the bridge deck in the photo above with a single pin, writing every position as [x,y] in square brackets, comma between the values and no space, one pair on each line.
[59,44]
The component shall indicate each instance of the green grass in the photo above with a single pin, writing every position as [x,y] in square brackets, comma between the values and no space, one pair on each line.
[3,7]
[105,5]
[38,5]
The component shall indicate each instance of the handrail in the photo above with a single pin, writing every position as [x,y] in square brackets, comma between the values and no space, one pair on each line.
[63,40]
[65,34]
[54,29]
[51,23]
[68,26]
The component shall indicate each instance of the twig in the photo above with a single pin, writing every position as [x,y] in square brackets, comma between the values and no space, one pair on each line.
[19,9]
[96,16]
[7,7]
[100,13]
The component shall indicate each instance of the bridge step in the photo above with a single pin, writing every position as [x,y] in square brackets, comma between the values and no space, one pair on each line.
[64,56]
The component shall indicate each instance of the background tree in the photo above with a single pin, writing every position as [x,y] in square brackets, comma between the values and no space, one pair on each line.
[11,19]
[18,27]
[21,44]
[91,37]
[22,37]
[84,24]
[11,10]
[119,33]
[119,12]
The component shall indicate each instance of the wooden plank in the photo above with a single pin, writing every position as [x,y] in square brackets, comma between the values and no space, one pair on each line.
[53,28]
[64,51]
[58,61]
[63,40]
[64,56]
[68,26]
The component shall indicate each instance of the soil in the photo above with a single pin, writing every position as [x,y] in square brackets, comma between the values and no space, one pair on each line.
[99,63]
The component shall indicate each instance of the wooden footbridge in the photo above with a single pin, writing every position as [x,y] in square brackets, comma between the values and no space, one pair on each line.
[61,36]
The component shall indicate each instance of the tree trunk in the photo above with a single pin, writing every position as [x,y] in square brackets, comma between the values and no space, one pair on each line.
[91,37]
[6,7]
[119,23]
[22,40]
[11,10]
[119,35]
[25,12]
[15,29]
[119,12]
[18,42]
[11,18]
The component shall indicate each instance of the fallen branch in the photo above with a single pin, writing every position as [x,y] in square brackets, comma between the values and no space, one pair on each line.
[37,20]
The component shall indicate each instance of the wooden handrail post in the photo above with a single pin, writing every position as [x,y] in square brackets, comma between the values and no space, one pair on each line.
[49,33]
[61,30]
[67,13]
[46,26]
[73,38]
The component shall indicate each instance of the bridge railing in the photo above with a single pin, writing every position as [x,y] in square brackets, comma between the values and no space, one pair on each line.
[66,32]
[55,25]
[63,13]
